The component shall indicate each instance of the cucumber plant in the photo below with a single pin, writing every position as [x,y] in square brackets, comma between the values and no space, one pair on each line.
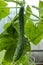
[19,32]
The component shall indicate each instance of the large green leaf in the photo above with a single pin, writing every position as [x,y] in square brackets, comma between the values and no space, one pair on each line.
[8,41]
[35,34]
[3,11]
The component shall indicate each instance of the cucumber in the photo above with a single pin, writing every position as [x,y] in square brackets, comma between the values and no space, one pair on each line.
[20,45]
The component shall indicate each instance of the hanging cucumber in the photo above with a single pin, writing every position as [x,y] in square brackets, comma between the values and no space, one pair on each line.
[20,46]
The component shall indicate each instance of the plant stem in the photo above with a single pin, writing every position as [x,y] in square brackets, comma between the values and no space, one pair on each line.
[32,19]
[24,2]
[19,2]
[36,7]
[16,8]
[36,16]
[9,7]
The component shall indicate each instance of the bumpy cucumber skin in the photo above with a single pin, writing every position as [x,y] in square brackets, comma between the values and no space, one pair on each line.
[20,46]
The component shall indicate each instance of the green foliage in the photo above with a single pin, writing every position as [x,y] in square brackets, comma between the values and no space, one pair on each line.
[3,11]
[41,8]
[7,25]
[2,53]
[35,34]
[8,41]
[18,33]
[2,3]
[40,4]
[29,10]
[16,26]
[27,15]
[5,62]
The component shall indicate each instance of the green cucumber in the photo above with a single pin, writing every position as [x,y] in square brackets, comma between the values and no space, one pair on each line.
[20,46]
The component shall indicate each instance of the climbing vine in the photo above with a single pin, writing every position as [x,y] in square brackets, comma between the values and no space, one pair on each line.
[20,26]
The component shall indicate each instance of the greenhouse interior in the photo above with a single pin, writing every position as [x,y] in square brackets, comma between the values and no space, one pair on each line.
[21,32]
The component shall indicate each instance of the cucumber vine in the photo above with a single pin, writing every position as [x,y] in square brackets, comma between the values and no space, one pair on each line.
[18,44]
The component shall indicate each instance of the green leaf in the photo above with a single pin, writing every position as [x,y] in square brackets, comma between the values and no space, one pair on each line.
[40,4]
[7,25]
[10,52]
[30,29]
[2,54]
[27,46]
[8,37]
[2,3]
[40,26]
[11,31]
[35,34]
[16,26]
[5,62]
[3,11]
[27,15]
[41,8]
[8,41]
[28,9]
[10,46]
